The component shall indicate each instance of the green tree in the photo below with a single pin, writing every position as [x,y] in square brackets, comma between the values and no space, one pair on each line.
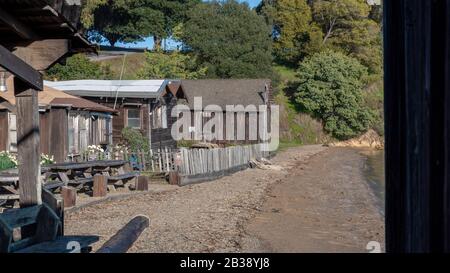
[330,88]
[295,34]
[78,67]
[175,65]
[230,39]
[347,26]
[134,20]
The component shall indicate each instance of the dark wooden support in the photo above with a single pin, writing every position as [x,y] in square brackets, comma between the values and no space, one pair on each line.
[142,183]
[21,29]
[20,69]
[125,238]
[100,186]
[174,178]
[41,55]
[417,117]
[69,196]
[28,144]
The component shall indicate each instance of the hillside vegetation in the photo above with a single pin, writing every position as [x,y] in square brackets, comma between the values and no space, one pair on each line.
[324,56]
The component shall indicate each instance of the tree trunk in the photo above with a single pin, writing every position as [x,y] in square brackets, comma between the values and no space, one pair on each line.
[157,43]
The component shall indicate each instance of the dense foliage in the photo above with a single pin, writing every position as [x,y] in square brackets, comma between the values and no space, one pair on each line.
[331,89]
[294,33]
[227,39]
[230,39]
[175,65]
[78,67]
[348,26]
[131,21]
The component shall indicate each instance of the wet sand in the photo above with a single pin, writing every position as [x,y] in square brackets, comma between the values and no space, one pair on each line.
[325,205]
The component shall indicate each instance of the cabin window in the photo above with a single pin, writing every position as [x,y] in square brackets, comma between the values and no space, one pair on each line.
[134,118]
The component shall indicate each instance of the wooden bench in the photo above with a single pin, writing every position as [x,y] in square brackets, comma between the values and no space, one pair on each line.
[46,225]
[63,244]
[122,177]
[45,238]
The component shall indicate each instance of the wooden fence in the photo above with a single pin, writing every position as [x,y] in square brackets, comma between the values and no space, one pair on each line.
[198,161]
[188,161]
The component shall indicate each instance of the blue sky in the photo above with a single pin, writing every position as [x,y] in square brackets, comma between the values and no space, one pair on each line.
[171,44]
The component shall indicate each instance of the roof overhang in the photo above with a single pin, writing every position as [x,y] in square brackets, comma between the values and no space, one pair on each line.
[141,89]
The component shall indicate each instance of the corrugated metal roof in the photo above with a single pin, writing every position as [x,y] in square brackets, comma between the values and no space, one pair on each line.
[105,88]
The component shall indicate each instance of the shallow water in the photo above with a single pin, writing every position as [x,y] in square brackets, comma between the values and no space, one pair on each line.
[374,172]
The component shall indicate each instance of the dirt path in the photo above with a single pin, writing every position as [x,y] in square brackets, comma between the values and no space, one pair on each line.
[213,216]
[325,206]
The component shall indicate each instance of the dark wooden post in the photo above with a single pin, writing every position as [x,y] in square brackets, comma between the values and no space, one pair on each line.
[100,186]
[28,144]
[69,196]
[417,117]
[142,183]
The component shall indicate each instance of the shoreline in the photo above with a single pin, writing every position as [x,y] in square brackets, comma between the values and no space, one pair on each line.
[212,216]
[307,216]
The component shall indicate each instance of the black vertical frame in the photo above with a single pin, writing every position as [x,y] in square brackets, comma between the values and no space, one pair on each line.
[417,105]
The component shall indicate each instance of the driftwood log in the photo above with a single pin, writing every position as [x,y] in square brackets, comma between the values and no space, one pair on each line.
[125,238]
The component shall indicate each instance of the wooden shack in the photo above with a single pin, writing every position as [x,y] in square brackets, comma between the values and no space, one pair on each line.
[132,100]
[246,93]
[68,124]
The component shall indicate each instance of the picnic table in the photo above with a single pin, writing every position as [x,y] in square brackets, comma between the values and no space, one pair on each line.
[81,173]
[8,187]
[79,166]
[70,177]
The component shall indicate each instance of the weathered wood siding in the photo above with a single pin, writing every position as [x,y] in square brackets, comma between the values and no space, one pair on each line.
[162,137]
[120,121]
[4,130]
[58,143]
[44,129]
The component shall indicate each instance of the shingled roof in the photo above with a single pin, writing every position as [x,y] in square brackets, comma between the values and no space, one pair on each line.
[226,91]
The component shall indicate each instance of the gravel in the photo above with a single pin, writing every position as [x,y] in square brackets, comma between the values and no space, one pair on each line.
[207,217]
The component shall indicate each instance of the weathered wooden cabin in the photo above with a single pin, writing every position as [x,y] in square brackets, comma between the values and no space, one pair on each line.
[68,124]
[223,93]
[147,105]
[132,99]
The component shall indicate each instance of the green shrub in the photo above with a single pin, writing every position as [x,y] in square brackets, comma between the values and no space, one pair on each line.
[7,161]
[79,67]
[135,140]
[330,87]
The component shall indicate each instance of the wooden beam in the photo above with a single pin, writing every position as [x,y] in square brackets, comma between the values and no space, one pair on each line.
[125,238]
[28,144]
[20,69]
[22,30]
[41,55]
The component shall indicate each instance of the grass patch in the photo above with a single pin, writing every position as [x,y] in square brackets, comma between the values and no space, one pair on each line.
[133,62]
[286,74]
